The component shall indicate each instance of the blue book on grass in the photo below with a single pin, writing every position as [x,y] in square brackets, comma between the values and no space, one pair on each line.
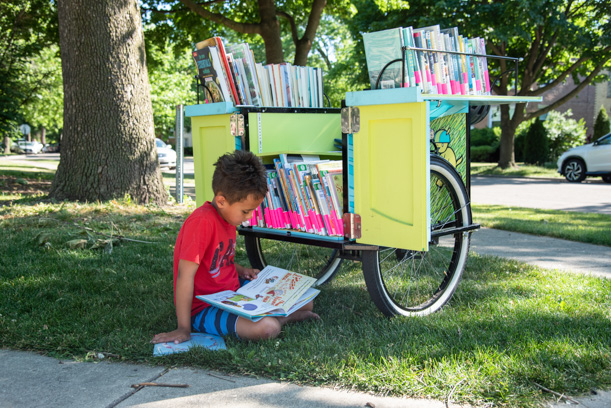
[204,340]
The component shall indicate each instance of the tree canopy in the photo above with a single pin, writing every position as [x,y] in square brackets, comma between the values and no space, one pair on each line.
[26,28]
[189,21]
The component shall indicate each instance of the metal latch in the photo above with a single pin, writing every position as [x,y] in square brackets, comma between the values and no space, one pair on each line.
[352,225]
[351,120]
[237,124]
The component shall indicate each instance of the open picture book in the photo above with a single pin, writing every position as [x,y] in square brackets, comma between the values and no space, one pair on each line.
[275,292]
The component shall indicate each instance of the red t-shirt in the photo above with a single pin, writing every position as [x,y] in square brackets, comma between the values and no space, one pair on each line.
[208,240]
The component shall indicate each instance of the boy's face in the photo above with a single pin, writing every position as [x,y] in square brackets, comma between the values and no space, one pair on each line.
[238,212]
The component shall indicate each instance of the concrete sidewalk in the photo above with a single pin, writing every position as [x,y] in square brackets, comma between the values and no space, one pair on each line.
[32,380]
[550,253]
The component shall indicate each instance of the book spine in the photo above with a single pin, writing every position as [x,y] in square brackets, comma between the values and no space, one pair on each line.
[225,68]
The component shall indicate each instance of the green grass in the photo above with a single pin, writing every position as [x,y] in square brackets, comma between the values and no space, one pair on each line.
[508,326]
[589,228]
[523,170]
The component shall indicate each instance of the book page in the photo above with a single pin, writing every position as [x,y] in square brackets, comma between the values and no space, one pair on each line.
[237,303]
[277,287]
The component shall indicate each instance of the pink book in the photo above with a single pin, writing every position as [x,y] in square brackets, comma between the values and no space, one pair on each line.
[330,229]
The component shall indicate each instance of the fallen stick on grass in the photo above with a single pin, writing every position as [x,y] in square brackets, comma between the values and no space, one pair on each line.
[152,384]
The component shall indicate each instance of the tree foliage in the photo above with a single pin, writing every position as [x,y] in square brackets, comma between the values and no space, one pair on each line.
[172,83]
[26,27]
[601,125]
[187,22]
[563,132]
[44,111]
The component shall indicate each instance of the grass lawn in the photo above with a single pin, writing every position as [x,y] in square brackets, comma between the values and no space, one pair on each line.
[523,170]
[589,228]
[72,286]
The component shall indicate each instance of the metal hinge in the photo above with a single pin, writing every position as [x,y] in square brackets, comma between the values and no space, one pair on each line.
[237,124]
[351,119]
[352,225]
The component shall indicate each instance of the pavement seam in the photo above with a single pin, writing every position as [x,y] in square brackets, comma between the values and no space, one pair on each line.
[135,390]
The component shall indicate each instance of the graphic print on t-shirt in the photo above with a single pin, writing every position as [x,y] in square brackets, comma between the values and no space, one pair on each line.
[226,258]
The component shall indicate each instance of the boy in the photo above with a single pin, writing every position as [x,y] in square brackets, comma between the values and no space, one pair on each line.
[204,256]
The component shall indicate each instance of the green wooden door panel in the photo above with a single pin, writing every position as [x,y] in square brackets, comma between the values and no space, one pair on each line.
[211,139]
[303,133]
[391,175]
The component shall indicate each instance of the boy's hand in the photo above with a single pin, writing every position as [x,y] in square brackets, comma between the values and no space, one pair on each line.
[176,336]
[249,273]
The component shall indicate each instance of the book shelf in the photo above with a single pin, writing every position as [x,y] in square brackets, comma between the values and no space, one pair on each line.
[386,161]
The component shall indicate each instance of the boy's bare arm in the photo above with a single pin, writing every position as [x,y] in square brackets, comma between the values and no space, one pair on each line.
[184,299]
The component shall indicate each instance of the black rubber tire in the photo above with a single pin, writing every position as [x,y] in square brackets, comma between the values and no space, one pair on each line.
[321,263]
[574,170]
[411,283]
[607,179]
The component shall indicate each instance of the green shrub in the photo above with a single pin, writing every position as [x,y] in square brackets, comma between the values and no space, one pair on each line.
[482,153]
[520,138]
[536,146]
[602,125]
[485,144]
[484,137]
[563,133]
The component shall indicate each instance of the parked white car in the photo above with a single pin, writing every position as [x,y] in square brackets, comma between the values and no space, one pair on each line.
[165,154]
[23,146]
[593,159]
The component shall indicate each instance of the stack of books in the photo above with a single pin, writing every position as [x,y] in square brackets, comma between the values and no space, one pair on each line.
[231,74]
[427,64]
[304,194]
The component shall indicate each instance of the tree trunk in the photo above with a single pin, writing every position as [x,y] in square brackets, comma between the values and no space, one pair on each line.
[7,145]
[507,156]
[304,44]
[509,125]
[270,32]
[43,136]
[108,146]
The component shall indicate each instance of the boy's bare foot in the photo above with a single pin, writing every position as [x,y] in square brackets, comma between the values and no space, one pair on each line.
[299,316]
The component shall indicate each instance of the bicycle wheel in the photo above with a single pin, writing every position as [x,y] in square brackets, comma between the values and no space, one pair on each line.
[408,283]
[318,262]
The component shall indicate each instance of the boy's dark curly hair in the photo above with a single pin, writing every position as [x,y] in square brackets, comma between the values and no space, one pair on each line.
[239,174]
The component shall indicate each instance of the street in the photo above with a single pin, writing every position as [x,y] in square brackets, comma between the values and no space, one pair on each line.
[590,196]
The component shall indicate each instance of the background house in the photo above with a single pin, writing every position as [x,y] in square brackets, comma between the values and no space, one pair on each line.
[585,105]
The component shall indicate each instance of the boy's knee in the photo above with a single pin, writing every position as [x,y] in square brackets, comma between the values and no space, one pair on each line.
[267,328]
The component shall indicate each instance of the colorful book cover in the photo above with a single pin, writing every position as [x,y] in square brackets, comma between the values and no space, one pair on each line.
[243,54]
[208,74]
[382,47]
[411,62]
[484,60]
[203,340]
[225,67]
[425,66]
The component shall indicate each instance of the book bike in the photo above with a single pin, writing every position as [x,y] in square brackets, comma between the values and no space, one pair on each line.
[400,280]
